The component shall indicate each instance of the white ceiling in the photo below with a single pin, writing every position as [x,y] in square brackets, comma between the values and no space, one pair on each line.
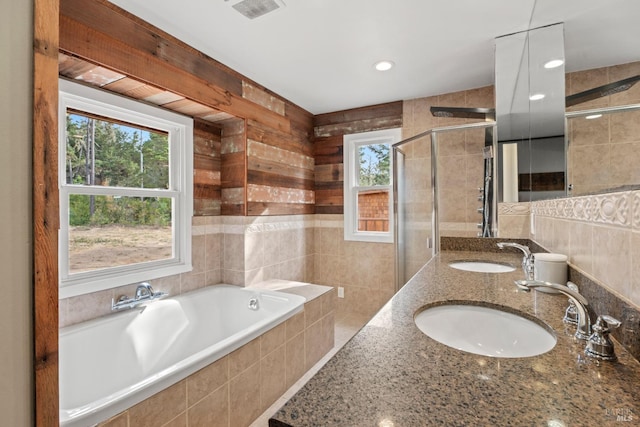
[319,54]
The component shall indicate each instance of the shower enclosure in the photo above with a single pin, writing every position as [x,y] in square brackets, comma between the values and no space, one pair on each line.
[444,185]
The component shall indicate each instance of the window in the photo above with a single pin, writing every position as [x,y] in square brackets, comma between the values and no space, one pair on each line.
[368,199]
[126,195]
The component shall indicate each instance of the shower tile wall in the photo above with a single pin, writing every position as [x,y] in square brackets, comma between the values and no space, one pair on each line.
[460,161]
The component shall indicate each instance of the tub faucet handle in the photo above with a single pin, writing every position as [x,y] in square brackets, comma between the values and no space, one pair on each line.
[144,291]
[599,344]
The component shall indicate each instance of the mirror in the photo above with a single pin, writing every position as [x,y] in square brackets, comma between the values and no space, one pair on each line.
[530,104]
[604,70]
[603,150]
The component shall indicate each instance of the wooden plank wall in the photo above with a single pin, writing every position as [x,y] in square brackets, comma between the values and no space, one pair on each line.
[103,34]
[280,171]
[207,139]
[329,129]
[233,178]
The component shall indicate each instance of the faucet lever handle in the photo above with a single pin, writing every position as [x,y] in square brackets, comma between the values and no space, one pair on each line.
[609,322]
[571,313]
[599,344]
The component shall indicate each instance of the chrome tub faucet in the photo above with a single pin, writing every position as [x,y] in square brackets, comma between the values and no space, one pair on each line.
[144,293]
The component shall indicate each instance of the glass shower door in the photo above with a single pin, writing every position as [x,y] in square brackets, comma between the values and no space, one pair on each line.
[414,196]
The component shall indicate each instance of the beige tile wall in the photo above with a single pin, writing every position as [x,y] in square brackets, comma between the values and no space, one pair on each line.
[514,220]
[364,270]
[235,390]
[264,248]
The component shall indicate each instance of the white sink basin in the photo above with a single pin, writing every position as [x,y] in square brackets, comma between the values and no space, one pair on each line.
[482,266]
[484,330]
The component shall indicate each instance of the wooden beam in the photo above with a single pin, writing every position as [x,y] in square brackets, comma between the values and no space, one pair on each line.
[375,117]
[45,211]
[121,25]
[129,53]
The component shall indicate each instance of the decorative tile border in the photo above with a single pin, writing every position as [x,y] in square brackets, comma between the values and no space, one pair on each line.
[249,225]
[636,210]
[514,208]
[618,209]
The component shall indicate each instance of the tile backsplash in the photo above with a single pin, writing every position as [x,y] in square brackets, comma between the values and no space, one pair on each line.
[599,233]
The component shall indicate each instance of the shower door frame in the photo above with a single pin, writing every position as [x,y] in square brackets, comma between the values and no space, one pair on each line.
[435,225]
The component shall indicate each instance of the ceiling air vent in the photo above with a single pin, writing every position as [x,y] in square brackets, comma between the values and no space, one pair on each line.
[255,8]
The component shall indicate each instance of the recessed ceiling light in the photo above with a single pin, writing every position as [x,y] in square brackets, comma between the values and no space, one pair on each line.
[554,63]
[536,97]
[593,116]
[384,65]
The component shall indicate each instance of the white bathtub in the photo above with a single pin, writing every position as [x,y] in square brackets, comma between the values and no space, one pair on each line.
[109,364]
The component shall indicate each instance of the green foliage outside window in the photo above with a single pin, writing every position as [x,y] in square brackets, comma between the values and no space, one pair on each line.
[374,165]
[104,153]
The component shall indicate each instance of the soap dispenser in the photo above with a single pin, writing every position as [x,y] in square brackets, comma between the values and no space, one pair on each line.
[599,344]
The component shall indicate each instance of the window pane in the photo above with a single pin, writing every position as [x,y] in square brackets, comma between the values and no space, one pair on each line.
[373,211]
[110,231]
[373,161]
[115,154]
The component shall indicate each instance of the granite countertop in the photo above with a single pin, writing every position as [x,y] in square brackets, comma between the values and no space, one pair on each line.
[391,374]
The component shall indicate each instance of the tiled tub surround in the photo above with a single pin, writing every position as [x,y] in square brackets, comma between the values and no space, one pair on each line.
[234,250]
[235,390]
[256,249]
[391,373]
[115,362]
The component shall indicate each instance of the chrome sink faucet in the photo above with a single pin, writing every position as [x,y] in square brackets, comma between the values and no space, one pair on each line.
[527,260]
[144,293]
[582,305]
